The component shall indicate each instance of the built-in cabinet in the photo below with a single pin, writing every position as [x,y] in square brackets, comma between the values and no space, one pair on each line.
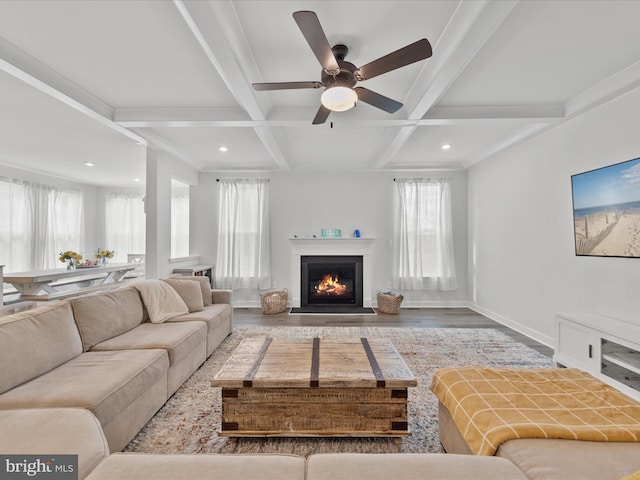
[606,347]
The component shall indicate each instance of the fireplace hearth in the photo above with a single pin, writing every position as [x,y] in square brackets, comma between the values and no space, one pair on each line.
[330,280]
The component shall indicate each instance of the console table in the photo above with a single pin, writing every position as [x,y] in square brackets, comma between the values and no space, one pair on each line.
[606,347]
[57,283]
[198,270]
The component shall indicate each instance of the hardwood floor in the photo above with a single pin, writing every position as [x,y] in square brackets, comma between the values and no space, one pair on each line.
[408,317]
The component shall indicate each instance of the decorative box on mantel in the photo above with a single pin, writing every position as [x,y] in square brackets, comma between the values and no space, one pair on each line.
[332,246]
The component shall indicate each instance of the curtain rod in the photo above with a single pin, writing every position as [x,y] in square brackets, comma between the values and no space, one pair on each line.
[218,179]
[422,178]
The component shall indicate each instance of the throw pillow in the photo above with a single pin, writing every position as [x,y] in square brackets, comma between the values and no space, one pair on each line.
[189,291]
[205,286]
[161,300]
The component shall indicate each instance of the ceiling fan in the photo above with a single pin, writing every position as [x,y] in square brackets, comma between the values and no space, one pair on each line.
[339,77]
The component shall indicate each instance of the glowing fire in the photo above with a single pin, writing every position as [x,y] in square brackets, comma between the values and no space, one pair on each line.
[329,285]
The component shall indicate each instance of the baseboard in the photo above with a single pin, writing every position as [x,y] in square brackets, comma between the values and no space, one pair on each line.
[433,304]
[518,327]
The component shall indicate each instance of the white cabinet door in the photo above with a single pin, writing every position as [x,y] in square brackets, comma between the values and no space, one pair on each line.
[577,347]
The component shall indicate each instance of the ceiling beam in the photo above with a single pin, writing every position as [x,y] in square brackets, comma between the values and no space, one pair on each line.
[300,116]
[471,25]
[216,27]
[495,112]
[36,74]
[616,85]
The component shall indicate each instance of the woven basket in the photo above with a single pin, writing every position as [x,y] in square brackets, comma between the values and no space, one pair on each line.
[389,303]
[274,302]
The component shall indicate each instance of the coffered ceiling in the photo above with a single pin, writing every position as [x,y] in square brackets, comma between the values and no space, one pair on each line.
[100,81]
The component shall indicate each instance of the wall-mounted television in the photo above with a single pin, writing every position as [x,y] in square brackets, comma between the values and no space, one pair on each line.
[606,210]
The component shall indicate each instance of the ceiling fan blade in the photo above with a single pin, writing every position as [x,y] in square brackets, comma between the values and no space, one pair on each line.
[285,85]
[379,101]
[312,30]
[321,116]
[405,56]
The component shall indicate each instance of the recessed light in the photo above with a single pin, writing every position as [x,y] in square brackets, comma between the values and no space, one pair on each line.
[137,180]
[89,164]
[446,146]
[223,149]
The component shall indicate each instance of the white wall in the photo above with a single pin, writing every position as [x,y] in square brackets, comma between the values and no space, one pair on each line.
[522,263]
[305,202]
[161,168]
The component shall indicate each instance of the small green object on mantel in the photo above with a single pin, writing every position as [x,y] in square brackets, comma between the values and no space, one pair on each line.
[331,233]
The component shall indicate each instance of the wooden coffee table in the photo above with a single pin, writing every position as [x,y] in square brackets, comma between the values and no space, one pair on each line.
[314,387]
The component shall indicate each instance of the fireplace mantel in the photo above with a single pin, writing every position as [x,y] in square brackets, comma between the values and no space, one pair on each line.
[327,240]
[331,246]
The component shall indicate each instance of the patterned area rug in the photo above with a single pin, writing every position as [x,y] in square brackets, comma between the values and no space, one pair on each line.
[189,421]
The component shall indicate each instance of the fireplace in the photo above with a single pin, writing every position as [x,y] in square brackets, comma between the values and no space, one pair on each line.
[330,280]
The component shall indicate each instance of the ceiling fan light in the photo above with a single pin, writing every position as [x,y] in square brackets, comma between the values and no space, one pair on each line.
[339,99]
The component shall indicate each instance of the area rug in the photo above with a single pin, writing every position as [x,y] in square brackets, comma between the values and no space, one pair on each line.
[189,421]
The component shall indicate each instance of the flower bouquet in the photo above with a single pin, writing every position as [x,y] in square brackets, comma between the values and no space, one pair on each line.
[103,255]
[71,258]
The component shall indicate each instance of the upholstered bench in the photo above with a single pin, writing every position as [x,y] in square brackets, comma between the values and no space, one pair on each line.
[551,423]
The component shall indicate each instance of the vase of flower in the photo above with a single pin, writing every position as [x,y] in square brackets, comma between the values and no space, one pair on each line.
[71,258]
[103,256]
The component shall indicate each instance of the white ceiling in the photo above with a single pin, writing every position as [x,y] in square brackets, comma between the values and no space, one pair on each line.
[98,80]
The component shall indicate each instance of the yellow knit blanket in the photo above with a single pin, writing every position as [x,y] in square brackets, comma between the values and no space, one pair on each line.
[492,405]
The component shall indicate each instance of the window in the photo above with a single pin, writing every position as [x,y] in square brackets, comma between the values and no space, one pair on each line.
[125,225]
[37,222]
[423,247]
[243,259]
[179,219]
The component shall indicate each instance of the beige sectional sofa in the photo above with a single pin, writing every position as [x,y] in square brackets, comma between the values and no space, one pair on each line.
[77,431]
[103,352]
[84,375]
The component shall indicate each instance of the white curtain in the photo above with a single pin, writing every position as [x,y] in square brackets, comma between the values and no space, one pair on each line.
[15,232]
[125,225]
[37,223]
[243,259]
[423,246]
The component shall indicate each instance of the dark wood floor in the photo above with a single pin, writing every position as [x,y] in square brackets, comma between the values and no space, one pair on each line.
[408,317]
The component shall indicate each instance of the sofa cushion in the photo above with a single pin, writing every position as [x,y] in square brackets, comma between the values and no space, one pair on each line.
[37,341]
[218,320]
[137,466]
[543,458]
[103,382]
[161,301]
[204,282]
[178,339]
[105,315]
[409,466]
[54,431]
[189,291]
[212,315]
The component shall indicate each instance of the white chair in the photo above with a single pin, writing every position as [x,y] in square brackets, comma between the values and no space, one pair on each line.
[138,259]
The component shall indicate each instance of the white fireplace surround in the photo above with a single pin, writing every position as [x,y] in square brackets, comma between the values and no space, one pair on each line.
[331,246]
